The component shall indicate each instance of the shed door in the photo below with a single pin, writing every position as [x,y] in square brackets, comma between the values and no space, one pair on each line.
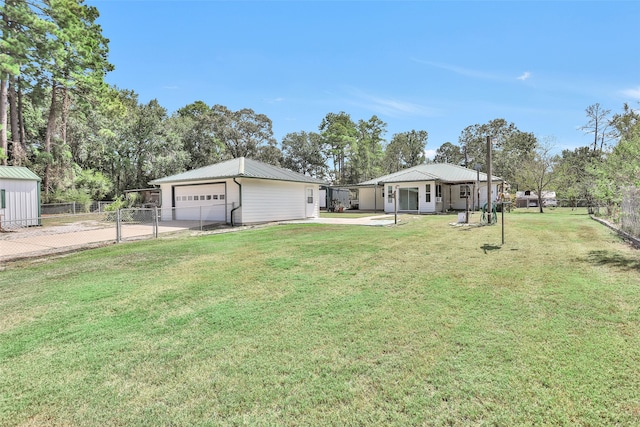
[310,202]
[200,202]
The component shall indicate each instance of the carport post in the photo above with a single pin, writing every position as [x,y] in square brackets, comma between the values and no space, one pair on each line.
[200,218]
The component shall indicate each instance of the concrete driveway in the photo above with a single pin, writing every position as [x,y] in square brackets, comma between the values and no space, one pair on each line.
[42,241]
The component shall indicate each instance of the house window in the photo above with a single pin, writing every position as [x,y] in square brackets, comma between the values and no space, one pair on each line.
[390,194]
[3,199]
[309,195]
[190,198]
[215,197]
[208,196]
[438,190]
[427,194]
[464,192]
[222,197]
[201,197]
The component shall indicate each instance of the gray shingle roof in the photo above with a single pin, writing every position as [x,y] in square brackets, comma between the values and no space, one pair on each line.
[444,172]
[18,173]
[238,168]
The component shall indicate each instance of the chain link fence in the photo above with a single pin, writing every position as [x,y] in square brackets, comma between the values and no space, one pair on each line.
[49,234]
[73,207]
[630,211]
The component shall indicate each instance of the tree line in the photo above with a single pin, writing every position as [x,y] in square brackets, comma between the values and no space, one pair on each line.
[88,139]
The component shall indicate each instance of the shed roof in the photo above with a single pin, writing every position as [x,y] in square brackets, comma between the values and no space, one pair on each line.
[18,173]
[238,168]
[444,172]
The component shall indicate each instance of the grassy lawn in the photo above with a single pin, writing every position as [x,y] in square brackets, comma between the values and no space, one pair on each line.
[418,324]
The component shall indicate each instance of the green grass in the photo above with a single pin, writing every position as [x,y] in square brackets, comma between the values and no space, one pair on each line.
[418,324]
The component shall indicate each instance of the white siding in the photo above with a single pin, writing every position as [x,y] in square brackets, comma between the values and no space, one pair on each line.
[370,196]
[265,200]
[22,203]
[262,200]
[423,205]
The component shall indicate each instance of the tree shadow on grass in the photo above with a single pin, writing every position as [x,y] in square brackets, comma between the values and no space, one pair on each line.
[487,248]
[613,259]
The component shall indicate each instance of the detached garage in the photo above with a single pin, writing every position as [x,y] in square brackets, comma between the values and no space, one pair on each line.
[19,197]
[239,191]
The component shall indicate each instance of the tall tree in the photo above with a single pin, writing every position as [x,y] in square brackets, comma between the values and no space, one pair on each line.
[405,150]
[598,124]
[303,154]
[576,175]
[449,153]
[77,64]
[510,146]
[536,171]
[242,132]
[199,140]
[338,133]
[21,31]
[366,151]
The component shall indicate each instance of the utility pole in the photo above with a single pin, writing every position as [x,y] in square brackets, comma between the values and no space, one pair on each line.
[489,180]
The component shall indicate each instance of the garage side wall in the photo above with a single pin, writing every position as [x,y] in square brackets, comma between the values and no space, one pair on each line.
[265,200]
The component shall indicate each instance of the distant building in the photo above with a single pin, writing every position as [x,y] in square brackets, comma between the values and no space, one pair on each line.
[529,199]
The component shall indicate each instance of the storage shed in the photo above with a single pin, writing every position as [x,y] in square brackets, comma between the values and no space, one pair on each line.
[239,191]
[19,197]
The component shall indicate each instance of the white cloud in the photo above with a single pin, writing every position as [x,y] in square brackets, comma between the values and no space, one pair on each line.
[391,107]
[632,92]
[524,76]
[460,70]
[273,100]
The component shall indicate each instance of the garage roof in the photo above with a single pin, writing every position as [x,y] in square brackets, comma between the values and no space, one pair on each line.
[238,168]
[444,172]
[18,173]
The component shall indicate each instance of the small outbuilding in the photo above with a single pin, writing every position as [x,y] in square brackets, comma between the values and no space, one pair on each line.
[19,197]
[239,191]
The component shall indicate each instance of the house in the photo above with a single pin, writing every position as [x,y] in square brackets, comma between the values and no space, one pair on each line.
[428,188]
[239,191]
[529,199]
[19,197]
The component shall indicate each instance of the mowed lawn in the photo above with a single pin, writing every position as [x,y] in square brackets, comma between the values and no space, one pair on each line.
[417,324]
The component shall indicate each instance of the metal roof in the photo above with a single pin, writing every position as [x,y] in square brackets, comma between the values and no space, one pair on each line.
[444,172]
[18,173]
[238,168]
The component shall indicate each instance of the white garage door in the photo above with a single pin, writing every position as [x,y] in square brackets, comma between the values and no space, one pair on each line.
[201,202]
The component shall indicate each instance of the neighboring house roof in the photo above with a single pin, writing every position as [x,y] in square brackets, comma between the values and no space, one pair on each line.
[18,173]
[238,168]
[443,172]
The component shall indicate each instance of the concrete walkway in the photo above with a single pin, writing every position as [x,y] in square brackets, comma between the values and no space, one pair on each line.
[377,220]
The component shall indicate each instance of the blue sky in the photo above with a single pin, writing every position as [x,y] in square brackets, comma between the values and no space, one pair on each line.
[425,65]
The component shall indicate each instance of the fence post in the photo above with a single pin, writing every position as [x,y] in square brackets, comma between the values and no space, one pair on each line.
[155,222]
[74,208]
[118,231]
